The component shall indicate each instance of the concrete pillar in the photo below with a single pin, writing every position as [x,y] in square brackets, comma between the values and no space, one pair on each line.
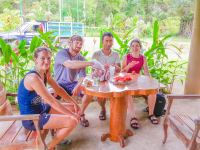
[192,83]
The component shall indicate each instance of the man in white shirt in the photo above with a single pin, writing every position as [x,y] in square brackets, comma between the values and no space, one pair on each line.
[106,56]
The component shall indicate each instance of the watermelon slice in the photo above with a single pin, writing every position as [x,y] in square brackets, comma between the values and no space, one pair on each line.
[127,77]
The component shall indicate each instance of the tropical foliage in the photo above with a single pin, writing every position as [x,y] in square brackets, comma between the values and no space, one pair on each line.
[109,13]
[160,67]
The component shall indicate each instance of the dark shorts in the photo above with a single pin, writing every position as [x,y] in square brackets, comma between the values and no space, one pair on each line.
[44,118]
[69,88]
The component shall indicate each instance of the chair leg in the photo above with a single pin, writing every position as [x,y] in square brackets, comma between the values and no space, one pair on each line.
[193,144]
[165,127]
[52,132]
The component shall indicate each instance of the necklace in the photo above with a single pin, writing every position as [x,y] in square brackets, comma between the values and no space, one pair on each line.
[37,70]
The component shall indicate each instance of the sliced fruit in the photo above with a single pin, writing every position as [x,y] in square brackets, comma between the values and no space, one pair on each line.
[89,83]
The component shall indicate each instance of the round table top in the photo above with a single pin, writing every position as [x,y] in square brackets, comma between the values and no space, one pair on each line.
[141,85]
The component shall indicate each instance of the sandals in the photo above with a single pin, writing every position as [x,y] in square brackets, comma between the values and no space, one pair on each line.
[134,125]
[102,115]
[153,120]
[85,122]
[65,142]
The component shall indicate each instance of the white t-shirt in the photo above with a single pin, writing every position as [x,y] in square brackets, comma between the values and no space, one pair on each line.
[113,58]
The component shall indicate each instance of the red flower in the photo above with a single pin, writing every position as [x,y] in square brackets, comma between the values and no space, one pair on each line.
[10,61]
[157,41]
[94,40]
[20,31]
[8,19]
[16,52]
[41,27]
[75,32]
[181,47]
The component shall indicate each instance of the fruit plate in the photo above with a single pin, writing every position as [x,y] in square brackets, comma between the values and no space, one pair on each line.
[112,80]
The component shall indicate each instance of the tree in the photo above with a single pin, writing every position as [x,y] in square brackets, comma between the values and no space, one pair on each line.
[10,19]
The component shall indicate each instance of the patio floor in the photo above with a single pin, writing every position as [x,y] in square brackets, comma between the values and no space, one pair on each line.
[147,137]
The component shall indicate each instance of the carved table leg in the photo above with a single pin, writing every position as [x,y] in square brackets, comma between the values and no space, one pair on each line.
[118,110]
[121,141]
[129,132]
[105,136]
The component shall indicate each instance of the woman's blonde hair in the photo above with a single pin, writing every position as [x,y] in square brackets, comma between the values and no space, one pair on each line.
[39,49]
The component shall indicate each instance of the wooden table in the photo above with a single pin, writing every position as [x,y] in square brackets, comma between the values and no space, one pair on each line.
[141,85]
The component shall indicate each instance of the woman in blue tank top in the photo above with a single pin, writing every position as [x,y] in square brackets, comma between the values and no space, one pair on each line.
[53,114]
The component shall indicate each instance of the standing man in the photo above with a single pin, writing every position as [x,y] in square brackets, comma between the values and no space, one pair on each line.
[106,56]
[69,64]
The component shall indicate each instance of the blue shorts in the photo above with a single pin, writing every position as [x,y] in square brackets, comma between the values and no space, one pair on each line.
[69,88]
[44,118]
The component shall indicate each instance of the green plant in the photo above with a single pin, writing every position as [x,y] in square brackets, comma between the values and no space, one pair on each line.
[124,48]
[9,20]
[88,69]
[17,60]
[160,67]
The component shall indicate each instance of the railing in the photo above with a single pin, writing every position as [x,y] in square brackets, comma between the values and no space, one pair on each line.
[66,29]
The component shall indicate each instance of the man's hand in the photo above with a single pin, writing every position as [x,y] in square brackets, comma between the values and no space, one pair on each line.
[106,66]
[98,73]
[97,65]
[76,90]
[117,68]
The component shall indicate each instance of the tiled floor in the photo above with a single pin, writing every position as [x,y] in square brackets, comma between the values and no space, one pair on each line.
[147,137]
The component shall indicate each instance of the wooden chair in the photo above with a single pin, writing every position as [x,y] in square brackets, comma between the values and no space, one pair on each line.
[13,136]
[186,128]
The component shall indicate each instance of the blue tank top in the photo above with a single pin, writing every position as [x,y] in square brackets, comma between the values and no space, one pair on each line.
[29,101]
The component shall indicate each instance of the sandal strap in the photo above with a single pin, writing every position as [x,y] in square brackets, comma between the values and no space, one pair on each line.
[150,116]
[82,115]
[134,124]
[154,120]
[133,119]
[103,113]
[84,121]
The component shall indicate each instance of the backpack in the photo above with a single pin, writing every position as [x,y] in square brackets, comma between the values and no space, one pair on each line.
[160,105]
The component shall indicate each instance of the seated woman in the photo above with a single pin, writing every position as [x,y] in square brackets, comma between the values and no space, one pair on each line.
[128,65]
[53,114]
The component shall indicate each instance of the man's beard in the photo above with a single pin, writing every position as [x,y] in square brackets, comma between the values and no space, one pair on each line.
[76,51]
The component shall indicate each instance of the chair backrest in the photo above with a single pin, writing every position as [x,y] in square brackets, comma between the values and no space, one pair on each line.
[5,106]
[2,94]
